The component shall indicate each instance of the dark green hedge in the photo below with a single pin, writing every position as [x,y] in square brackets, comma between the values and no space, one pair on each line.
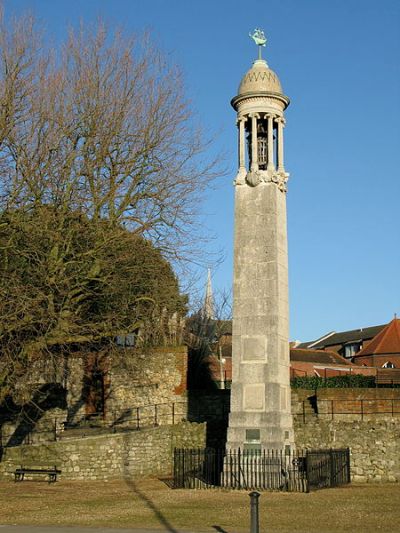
[350,381]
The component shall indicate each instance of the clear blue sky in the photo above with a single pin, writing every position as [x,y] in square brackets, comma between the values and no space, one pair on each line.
[338,61]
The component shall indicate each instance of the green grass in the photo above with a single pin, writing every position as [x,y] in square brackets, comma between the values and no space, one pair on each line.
[151,504]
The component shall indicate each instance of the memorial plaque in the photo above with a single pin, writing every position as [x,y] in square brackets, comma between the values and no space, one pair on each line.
[254,397]
[254,348]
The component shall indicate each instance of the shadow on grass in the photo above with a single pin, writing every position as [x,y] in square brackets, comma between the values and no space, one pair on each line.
[145,499]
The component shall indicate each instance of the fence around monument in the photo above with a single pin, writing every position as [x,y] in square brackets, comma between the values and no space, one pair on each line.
[297,471]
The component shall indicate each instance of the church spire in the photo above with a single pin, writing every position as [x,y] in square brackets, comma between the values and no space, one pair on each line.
[208,306]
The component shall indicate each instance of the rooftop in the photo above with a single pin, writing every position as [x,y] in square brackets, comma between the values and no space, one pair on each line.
[343,337]
[387,341]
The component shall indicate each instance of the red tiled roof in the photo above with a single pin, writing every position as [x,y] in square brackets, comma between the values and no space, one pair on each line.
[385,342]
[318,356]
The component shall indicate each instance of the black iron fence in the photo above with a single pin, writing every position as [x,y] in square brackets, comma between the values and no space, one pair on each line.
[327,468]
[297,471]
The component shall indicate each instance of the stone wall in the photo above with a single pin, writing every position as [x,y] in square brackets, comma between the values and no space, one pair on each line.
[374,445]
[127,455]
[138,379]
[373,437]
[365,420]
[132,379]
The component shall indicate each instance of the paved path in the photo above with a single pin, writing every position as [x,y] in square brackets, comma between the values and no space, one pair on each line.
[56,529]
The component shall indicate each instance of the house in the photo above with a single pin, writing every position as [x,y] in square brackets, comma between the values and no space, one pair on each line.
[367,351]
[322,363]
[303,362]
[383,351]
[345,343]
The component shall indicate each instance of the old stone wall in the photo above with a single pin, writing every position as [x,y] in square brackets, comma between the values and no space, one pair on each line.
[138,379]
[374,445]
[365,420]
[153,381]
[127,455]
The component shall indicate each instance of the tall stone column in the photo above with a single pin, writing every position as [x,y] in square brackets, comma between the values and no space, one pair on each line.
[260,416]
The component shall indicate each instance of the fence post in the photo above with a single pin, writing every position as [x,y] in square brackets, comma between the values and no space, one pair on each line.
[348,465]
[254,522]
[137,418]
[55,429]
[173,413]
[304,413]
[332,469]
[155,415]
[332,408]
[362,409]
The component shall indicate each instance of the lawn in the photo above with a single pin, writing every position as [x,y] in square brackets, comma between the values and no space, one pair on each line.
[150,503]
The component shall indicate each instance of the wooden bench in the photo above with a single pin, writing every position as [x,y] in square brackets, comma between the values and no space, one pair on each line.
[51,472]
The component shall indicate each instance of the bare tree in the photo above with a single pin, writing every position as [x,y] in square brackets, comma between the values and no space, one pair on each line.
[105,128]
[99,154]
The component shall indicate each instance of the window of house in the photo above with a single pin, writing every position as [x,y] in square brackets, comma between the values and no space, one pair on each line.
[388,364]
[351,349]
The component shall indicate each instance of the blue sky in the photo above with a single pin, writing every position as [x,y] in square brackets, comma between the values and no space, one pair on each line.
[338,61]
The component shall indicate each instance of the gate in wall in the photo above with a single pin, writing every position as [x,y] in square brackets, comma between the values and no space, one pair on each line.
[298,471]
[327,468]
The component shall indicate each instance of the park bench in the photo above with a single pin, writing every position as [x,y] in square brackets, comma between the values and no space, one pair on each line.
[51,472]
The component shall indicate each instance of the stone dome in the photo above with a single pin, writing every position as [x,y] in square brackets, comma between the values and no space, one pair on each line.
[260,78]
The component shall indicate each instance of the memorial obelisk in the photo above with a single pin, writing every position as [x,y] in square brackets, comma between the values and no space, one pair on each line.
[260,416]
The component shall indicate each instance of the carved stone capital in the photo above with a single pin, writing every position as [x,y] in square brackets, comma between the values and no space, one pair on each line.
[281,178]
[277,177]
[253,178]
[240,118]
[240,177]
[256,177]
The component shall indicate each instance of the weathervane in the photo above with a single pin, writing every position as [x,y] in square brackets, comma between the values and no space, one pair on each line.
[259,38]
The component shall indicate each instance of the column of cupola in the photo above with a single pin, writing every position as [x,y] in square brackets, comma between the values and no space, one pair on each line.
[250,123]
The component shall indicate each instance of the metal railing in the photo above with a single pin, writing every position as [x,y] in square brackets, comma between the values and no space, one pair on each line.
[296,471]
[56,428]
[362,407]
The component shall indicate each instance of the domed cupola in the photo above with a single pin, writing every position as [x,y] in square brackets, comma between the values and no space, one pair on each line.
[260,79]
[260,104]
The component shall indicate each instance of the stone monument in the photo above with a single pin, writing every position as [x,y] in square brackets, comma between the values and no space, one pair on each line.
[260,416]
